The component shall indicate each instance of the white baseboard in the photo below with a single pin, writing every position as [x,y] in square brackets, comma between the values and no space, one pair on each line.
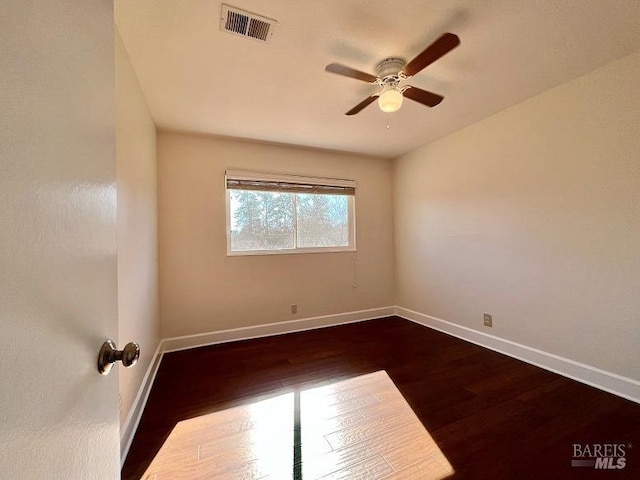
[244,333]
[135,413]
[609,382]
[257,331]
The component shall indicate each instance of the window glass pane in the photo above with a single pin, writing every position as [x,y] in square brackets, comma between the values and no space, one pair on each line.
[323,220]
[261,220]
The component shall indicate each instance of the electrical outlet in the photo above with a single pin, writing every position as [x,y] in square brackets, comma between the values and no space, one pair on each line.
[488,320]
[294,309]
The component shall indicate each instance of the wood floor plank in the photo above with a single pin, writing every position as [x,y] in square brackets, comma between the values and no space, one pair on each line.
[368,429]
[420,448]
[356,452]
[312,426]
[331,408]
[385,409]
[427,469]
[371,468]
[318,466]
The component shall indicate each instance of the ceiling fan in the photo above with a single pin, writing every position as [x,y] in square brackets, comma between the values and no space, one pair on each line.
[390,72]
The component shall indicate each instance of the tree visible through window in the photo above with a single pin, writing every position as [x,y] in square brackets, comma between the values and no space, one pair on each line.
[323,220]
[261,220]
[265,217]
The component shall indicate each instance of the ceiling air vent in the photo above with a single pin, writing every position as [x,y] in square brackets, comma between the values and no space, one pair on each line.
[246,24]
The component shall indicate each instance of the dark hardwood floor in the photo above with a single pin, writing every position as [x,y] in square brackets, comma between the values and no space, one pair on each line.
[492,416]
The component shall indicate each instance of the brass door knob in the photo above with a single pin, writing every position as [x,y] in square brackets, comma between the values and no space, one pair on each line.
[109,354]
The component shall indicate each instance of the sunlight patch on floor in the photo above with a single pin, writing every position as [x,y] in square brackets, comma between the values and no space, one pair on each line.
[358,428]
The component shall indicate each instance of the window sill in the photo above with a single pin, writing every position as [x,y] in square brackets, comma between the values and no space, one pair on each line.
[297,251]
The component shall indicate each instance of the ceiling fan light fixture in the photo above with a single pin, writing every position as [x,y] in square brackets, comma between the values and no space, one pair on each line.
[392,71]
[390,100]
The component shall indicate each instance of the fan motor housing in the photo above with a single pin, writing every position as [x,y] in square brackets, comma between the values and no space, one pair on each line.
[390,67]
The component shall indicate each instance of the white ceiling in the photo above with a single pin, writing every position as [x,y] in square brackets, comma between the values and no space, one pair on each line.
[197,78]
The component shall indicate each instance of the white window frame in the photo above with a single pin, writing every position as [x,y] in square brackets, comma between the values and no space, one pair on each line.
[295,179]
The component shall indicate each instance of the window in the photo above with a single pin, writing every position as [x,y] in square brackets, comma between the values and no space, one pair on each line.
[272,213]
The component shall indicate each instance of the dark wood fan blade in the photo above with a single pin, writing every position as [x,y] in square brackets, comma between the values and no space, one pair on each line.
[350,72]
[433,52]
[366,102]
[422,96]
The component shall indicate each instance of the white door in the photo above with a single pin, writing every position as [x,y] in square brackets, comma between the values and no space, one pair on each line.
[58,416]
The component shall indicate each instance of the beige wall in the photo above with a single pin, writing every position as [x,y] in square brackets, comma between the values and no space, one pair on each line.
[533,215]
[138,318]
[203,290]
